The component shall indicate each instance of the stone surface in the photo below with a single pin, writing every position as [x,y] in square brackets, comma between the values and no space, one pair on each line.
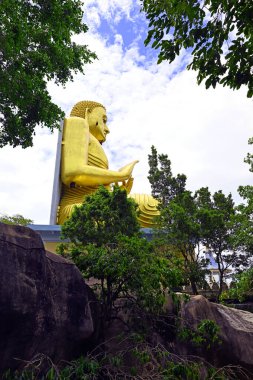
[45,305]
[236,329]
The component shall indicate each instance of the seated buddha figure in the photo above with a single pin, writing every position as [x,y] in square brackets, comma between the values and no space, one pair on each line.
[84,165]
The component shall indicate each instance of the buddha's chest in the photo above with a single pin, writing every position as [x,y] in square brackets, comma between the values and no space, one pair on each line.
[96,154]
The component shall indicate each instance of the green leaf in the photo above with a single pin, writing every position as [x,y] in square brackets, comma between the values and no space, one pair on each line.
[36,46]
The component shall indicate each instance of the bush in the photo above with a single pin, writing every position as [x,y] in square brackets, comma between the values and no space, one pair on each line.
[243,287]
[206,334]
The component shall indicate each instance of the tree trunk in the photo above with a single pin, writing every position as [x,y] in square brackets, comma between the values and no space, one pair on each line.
[194,288]
[220,285]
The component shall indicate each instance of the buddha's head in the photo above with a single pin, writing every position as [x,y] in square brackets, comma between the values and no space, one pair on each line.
[96,118]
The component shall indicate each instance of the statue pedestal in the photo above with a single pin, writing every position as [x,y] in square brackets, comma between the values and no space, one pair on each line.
[51,235]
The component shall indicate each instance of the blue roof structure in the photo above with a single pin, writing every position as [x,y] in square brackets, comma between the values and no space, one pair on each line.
[52,232]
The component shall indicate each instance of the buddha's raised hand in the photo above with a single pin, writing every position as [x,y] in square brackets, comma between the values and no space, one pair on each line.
[126,171]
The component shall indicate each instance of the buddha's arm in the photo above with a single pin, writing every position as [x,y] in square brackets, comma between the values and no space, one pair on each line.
[93,176]
[74,162]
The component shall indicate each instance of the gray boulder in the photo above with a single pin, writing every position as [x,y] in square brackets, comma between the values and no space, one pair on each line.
[236,330]
[45,305]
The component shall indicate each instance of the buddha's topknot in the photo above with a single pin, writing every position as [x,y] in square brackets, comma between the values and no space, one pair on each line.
[79,108]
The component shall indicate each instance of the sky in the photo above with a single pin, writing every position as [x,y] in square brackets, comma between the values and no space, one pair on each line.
[204,132]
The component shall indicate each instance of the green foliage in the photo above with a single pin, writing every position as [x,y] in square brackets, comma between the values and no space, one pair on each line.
[17,375]
[217,219]
[243,287]
[36,47]
[128,268]
[206,335]
[249,158]
[194,371]
[218,34]
[102,218]
[243,222]
[16,220]
[106,244]
[178,371]
[142,355]
[134,362]
[84,368]
[164,185]
[178,224]
[188,221]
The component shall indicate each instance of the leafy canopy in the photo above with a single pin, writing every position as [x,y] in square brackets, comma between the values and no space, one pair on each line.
[219,35]
[102,218]
[35,47]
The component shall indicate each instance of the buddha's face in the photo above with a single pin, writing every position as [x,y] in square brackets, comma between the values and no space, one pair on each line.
[97,122]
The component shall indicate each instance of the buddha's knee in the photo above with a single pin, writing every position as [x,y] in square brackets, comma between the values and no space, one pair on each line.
[148,209]
[64,212]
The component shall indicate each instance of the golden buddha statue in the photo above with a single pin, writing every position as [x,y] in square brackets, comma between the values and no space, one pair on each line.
[84,165]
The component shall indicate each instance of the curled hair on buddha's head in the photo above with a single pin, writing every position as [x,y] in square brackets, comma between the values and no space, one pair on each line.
[79,108]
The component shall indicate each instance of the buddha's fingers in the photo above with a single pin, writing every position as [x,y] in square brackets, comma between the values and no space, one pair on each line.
[129,185]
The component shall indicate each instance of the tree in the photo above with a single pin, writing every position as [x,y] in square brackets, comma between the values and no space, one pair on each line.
[218,34]
[164,185]
[35,47]
[16,220]
[243,286]
[178,226]
[216,216]
[188,222]
[106,244]
[243,224]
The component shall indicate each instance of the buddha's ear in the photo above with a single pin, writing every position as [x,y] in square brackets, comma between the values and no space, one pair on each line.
[88,110]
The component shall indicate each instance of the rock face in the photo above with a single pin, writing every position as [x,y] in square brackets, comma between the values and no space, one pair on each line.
[45,305]
[236,329]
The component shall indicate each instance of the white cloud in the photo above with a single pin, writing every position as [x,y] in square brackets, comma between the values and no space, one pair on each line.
[204,132]
[26,178]
[111,10]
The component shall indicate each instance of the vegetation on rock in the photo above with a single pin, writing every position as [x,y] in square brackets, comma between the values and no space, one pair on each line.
[16,219]
[139,361]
